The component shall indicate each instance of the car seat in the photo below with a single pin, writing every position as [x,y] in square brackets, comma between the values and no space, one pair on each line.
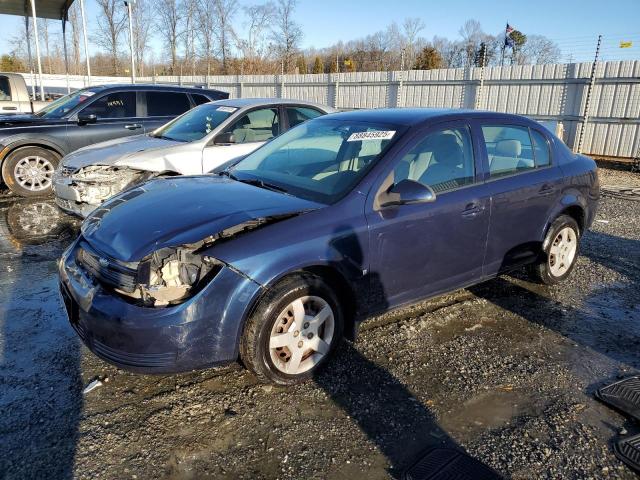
[507,157]
[445,165]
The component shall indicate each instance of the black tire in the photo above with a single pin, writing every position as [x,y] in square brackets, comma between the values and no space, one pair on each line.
[254,344]
[50,160]
[542,270]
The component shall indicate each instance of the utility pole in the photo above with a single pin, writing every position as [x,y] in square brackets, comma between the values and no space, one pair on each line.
[35,34]
[64,44]
[127,4]
[86,47]
[33,79]
[86,42]
[587,102]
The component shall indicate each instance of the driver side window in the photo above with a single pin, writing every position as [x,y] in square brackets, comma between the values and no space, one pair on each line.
[113,105]
[256,126]
[443,160]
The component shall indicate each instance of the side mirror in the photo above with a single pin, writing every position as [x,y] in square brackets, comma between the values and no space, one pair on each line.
[85,119]
[407,192]
[225,138]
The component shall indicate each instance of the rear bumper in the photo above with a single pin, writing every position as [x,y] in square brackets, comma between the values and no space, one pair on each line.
[202,332]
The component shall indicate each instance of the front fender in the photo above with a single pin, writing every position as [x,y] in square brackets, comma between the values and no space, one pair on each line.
[23,140]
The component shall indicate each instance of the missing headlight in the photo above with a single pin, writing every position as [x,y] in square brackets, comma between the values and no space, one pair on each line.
[171,275]
[96,183]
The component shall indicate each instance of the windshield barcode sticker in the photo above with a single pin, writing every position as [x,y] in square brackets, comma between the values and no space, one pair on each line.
[373,135]
[226,109]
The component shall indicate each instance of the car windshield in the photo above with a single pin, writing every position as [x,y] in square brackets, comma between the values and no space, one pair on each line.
[196,123]
[320,160]
[64,105]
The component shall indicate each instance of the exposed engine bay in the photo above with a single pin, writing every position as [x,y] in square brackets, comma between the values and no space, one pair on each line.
[95,183]
[170,275]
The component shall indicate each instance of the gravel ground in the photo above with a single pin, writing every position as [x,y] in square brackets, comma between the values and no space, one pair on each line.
[505,370]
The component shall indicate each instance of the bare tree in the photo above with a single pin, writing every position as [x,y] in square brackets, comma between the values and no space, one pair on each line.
[168,26]
[45,38]
[539,50]
[411,28]
[225,10]
[286,33]
[141,24]
[472,35]
[254,45]
[74,22]
[206,22]
[188,10]
[111,23]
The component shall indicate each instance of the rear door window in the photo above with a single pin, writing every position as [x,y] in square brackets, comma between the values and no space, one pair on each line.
[541,153]
[199,99]
[113,105]
[509,149]
[297,115]
[167,104]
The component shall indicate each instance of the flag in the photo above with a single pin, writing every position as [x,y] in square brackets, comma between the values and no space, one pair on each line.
[508,41]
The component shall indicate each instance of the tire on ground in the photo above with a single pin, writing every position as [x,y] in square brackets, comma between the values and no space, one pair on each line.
[9,166]
[542,270]
[254,344]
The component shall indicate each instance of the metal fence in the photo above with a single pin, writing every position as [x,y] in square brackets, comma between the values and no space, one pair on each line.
[556,93]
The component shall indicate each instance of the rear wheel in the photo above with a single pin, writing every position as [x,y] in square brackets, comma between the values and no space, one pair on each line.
[560,251]
[293,330]
[28,171]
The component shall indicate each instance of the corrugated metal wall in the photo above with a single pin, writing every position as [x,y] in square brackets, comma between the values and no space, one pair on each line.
[543,92]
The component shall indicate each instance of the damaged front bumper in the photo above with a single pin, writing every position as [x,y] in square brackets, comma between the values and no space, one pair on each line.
[80,192]
[201,332]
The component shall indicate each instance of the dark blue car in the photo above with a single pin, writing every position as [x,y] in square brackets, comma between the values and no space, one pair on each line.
[276,258]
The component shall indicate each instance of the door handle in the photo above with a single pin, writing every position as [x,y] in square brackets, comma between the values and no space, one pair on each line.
[133,126]
[546,190]
[9,108]
[471,210]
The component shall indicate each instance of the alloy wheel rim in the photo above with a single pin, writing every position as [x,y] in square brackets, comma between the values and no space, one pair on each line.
[302,335]
[34,173]
[563,251]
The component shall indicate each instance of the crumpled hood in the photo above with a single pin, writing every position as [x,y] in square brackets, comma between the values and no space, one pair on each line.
[180,210]
[112,152]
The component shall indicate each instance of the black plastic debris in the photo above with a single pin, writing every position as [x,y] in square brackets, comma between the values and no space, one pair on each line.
[628,450]
[449,464]
[623,395]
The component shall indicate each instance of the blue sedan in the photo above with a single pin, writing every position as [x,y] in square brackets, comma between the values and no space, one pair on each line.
[276,258]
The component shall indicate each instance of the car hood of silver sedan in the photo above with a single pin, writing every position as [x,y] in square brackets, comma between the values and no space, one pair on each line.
[121,151]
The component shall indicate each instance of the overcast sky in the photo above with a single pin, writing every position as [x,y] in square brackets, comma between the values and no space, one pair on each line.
[573,24]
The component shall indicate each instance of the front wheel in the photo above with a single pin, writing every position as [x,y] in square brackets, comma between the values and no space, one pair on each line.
[28,171]
[293,330]
[560,251]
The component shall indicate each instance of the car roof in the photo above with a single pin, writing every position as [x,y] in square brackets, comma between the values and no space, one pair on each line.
[152,86]
[258,102]
[416,116]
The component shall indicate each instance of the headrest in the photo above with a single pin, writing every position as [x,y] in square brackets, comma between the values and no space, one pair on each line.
[508,148]
[446,149]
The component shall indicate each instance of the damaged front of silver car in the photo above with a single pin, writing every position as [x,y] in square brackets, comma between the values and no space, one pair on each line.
[167,303]
[80,191]
[87,177]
